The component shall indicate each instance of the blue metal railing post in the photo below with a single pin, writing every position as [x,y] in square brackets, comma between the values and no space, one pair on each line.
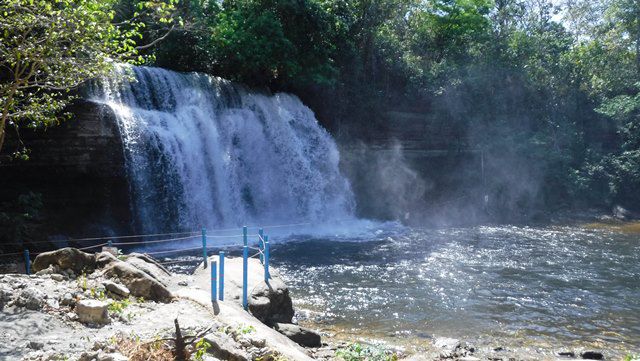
[261,243]
[221,287]
[204,247]
[214,282]
[244,235]
[27,262]
[266,259]
[109,243]
[245,264]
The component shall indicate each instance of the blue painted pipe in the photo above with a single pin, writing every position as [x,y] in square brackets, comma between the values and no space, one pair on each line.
[214,282]
[244,235]
[260,244]
[204,247]
[245,266]
[221,282]
[267,275]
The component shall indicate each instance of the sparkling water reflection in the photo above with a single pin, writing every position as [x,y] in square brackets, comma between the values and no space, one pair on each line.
[550,286]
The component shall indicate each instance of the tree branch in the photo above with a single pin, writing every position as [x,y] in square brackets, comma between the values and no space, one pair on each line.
[141,47]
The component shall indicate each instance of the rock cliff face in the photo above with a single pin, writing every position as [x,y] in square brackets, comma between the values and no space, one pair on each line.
[418,170]
[78,168]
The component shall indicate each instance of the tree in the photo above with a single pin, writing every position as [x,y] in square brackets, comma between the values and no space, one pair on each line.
[48,48]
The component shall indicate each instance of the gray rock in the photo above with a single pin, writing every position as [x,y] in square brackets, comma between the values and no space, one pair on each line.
[225,348]
[271,303]
[150,267]
[453,348]
[65,258]
[67,300]
[446,343]
[92,311]
[57,277]
[116,288]
[6,294]
[31,299]
[35,345]
[139,283]
[51,269]
[300,335]
[104,259]
[116,356]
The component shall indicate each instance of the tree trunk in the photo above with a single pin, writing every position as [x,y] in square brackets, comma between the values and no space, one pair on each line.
[5,113]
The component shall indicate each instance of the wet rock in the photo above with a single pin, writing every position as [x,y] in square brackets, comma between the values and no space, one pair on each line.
[92,311]
[300,335]
[592,355]
[453,348]
[139,283]
[116,288]
[31,299]
[271,303]
[225,348]
[65,258]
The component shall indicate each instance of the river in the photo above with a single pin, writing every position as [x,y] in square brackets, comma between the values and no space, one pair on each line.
[546,288]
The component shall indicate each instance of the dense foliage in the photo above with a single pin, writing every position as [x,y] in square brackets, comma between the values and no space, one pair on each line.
[547,91]
[48,48]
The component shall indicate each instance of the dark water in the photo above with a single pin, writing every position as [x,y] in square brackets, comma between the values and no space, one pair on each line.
[547,287]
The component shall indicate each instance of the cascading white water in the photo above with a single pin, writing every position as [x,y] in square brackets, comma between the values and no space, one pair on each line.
[202,151]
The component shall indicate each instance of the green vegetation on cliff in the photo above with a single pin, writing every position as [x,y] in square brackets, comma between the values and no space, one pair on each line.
[547,90]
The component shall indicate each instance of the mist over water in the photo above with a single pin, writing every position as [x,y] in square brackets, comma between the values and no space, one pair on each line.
[202,151]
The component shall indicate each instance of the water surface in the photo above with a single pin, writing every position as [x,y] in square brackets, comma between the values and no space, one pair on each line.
[546,287]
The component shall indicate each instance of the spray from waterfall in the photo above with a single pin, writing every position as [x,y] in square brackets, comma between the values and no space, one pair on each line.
[202,151]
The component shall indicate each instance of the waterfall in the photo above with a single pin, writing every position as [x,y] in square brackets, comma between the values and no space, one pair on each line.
[203,151]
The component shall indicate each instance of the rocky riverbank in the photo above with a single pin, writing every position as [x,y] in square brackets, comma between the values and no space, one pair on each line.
[80,306]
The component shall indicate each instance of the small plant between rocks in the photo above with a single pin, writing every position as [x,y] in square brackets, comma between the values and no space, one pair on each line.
[359,352]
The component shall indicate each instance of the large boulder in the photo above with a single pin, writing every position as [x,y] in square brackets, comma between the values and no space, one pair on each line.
[150,267]
[65,258]
[271,303]
[139,283]
[301,335]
